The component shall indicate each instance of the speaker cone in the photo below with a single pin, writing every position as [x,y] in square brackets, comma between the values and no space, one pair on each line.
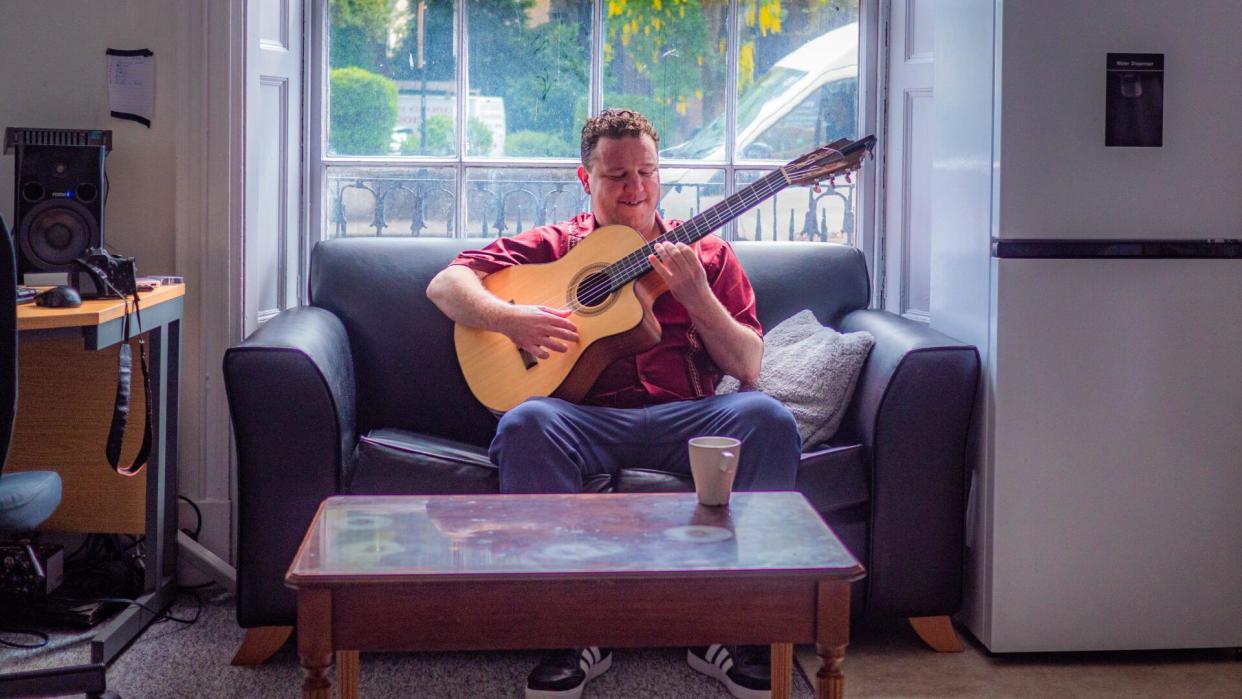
[55,232]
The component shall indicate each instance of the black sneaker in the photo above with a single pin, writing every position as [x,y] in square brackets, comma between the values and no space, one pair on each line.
[562,674]
[746,671]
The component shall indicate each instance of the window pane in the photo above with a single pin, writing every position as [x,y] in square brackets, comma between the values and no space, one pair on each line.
[393,78]
[800,213]
[666,60]
[797,76]
[529,77]
[687,191]
[390,201]
[505,201]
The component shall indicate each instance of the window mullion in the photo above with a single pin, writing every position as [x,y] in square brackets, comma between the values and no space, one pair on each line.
[597,57]
[463,86]
[731,57]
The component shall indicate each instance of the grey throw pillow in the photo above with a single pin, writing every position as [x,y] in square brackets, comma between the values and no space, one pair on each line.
[812,369]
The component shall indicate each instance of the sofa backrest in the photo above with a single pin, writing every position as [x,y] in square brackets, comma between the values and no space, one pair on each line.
[405,365]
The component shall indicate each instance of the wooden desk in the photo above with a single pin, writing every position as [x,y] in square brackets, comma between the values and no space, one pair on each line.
[67,364]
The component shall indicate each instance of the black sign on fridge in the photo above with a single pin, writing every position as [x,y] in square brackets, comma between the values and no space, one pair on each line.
[1134,106]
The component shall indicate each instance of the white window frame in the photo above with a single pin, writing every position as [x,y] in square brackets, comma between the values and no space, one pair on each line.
[317,72]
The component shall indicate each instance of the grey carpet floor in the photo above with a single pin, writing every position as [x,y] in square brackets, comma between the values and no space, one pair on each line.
[173,660]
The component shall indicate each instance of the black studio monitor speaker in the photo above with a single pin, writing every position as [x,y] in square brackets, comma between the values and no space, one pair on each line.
[59,192]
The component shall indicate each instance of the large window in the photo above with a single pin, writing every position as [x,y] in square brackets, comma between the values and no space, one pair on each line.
[461,117]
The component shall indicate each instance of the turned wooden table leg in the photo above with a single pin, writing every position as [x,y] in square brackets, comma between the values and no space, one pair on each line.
[782,670]
[830,679]
[832,634]
[315,642]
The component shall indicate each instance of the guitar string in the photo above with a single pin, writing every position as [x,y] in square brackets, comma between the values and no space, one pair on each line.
[688,233]
[635,261]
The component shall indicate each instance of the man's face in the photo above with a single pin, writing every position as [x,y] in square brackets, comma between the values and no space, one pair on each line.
[624,182]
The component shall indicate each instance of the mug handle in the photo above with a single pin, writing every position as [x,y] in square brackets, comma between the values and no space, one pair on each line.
[728,461]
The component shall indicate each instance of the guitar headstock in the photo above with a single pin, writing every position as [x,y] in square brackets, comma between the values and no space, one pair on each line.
[840,157]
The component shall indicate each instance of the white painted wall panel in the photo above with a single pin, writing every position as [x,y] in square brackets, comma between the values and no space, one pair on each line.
[920,33]
[263,244]
[916,211]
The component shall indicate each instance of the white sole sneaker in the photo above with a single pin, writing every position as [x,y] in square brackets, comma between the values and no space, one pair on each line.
[720,674]
[595,670]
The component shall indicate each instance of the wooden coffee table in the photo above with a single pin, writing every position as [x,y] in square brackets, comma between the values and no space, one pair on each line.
[493,572]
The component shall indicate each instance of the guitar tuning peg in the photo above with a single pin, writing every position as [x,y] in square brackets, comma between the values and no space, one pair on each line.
[849,179]
[815,188]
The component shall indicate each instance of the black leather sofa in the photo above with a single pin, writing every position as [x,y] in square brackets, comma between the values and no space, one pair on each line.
[360,392]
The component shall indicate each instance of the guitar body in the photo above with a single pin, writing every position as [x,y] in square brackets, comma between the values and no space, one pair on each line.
[619,325]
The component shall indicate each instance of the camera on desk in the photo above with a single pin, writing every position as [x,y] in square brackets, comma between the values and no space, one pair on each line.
[100,274]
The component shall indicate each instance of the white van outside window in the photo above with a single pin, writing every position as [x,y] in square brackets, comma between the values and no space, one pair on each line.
[808,98]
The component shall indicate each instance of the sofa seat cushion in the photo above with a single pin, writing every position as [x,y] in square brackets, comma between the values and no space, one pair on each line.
[833,478]
[397,462]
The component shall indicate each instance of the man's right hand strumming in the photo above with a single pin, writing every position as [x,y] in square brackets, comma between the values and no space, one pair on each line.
[460,294]
[538,329]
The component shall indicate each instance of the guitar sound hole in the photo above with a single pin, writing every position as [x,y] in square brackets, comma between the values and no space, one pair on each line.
[593,290]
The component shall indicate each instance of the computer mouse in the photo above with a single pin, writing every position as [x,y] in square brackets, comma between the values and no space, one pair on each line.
[59,297]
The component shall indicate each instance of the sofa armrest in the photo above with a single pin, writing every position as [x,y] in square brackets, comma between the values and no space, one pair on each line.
[291,396]
[911,410]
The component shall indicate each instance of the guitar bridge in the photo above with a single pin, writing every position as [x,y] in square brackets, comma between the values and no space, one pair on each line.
[528,359]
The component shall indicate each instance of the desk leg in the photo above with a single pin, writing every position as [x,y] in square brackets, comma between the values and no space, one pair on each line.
[159,480]
[782,670]
[159,586]
[315,642]
[169,409]
[832,634]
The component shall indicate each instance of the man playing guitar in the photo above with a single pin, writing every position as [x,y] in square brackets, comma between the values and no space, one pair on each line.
[642,409]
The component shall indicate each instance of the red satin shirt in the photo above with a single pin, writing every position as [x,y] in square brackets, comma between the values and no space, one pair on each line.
[679,367]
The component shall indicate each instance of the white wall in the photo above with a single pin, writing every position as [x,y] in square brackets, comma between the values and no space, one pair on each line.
[52,74]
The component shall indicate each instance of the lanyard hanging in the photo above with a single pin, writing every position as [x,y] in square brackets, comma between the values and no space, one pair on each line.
[120,411]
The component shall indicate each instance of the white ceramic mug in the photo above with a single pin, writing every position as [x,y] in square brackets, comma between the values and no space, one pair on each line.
[713,462]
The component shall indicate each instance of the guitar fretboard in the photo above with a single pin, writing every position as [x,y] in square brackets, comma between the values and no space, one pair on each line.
[635,264]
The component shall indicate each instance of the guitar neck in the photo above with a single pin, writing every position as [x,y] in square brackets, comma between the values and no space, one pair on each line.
[635,264]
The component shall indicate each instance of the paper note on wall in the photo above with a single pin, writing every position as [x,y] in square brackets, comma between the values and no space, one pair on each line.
[131,84]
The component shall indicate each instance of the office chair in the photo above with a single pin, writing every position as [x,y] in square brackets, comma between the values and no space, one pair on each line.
[28,498]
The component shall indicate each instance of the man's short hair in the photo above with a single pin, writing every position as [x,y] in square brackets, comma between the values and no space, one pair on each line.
[614,123]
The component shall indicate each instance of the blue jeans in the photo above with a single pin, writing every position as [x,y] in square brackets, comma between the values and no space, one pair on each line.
[547,445]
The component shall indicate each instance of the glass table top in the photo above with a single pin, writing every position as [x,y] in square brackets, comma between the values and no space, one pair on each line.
[471,536]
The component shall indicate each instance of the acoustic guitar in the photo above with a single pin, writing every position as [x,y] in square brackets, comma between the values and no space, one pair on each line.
[610,287]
